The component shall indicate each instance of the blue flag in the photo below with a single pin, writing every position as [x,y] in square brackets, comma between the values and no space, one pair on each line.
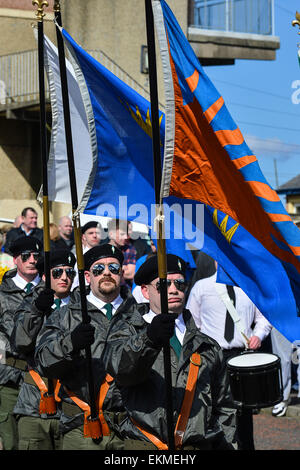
[121,183]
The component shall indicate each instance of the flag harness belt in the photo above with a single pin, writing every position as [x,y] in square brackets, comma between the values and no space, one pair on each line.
[99,427]
[195,363]
[47,402]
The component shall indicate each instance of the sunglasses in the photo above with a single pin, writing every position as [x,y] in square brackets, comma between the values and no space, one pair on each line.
[98,269]
[58,272]
[180,284]
[26,255]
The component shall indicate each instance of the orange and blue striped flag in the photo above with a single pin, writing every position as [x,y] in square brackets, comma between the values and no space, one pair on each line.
[207,160]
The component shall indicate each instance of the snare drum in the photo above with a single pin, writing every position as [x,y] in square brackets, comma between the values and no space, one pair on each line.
[255,379]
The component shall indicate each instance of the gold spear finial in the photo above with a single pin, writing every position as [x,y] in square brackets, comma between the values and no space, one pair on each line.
[297,20]
[56,6]
[40,11]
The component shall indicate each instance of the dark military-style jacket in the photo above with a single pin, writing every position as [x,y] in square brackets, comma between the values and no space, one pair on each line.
[10,299]
[55,355]
[138,367]
[28,323]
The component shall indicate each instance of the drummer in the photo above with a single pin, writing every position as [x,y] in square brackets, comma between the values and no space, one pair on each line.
[206,304]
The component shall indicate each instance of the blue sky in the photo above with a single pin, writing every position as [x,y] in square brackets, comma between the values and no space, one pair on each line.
[258,95]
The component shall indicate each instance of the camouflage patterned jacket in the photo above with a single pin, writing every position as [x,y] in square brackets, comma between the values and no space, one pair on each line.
[55,355]
[138,367]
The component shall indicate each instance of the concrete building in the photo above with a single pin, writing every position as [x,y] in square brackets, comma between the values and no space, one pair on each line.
[291,190]
[219,31]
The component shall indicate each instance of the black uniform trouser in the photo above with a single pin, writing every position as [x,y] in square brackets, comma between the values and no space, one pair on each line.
[244,417]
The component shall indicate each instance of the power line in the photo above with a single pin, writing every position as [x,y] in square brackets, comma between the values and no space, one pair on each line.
[286,144]
[263,109]
[252,89]
[288,148]
[284,9]
[272,127]
[267,149]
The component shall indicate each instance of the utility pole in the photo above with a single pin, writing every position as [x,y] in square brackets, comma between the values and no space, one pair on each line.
[276,174]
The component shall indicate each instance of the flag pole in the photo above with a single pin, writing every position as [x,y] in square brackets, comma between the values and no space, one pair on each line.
[43,137]
[296,22]
[43,149]
[94,418]
[161,246]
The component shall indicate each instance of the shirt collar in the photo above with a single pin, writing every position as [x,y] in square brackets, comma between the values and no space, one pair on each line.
[22,283]
[148,317]
[64,301]
[179,322]
[26,233]
[98,303]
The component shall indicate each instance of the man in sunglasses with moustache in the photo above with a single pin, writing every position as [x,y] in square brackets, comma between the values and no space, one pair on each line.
[37,408]
[16,284]
[203,418]
[60,352]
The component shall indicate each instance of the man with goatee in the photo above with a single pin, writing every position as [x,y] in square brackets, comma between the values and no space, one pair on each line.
[60,352]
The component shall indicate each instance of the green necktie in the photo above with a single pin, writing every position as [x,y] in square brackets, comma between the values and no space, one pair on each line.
[28,287]
[108,308]
[57,303]
[175,343]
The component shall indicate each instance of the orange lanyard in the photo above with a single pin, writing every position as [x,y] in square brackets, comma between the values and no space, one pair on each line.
[195,363]
[99,427]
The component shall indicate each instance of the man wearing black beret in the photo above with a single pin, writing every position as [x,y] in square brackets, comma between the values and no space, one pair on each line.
[133,355]
[16,284]
[91,234]
[37,415]
[61,353]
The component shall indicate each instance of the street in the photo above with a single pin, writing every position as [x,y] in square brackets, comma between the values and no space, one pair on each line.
[271,433]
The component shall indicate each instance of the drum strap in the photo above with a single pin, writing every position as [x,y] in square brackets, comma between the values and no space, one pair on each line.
[238,322]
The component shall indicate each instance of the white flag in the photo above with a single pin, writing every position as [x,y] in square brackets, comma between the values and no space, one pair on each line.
[58,173]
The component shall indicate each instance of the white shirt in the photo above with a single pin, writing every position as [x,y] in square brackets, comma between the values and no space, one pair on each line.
[179,324]
[22,283]
[98,303]
[209,313]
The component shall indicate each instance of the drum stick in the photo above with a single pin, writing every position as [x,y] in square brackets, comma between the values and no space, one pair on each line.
[246,338]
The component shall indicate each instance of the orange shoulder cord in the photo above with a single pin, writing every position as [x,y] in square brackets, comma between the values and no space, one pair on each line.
[195,363]
[47,402]
[98,427]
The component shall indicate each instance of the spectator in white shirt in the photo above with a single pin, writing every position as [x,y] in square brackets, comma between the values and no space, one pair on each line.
[209,312]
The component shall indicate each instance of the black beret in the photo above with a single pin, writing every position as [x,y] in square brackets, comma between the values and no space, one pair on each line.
[57,258]
[149,269]
[102,251]
[90,224]
[25,243]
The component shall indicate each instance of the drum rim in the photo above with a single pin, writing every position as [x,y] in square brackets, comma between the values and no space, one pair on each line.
[239,404]
[259,366]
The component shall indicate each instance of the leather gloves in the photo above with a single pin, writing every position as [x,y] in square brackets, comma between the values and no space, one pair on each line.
[82,336]
[161,329]
[44,300]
